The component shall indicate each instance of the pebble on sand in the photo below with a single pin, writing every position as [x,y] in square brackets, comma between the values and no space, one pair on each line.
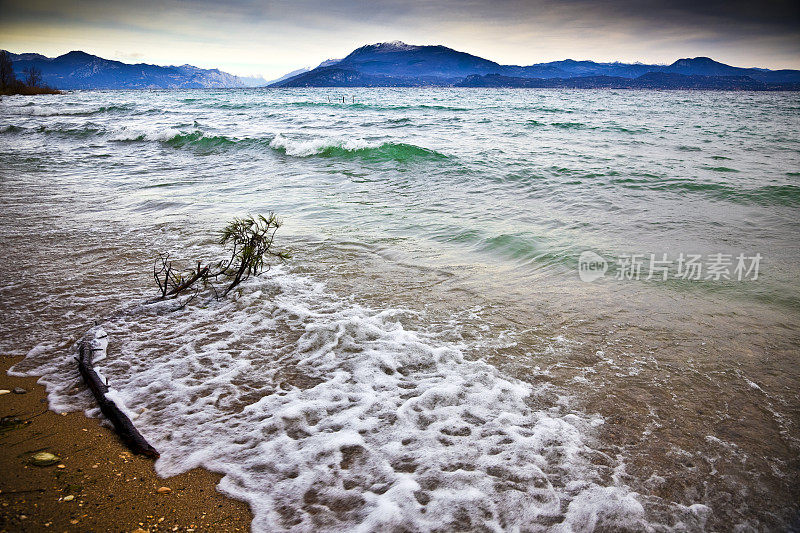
[44,459]
[163,490]
[19,390]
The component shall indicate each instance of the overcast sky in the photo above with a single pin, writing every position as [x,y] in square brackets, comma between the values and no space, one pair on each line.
[274,37]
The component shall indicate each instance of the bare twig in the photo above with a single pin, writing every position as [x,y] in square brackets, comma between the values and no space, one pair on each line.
[249,242]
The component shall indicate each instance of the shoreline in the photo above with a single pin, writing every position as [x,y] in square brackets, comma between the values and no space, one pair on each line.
[111,489]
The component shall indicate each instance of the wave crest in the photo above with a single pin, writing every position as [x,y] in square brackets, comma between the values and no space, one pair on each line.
[352,148]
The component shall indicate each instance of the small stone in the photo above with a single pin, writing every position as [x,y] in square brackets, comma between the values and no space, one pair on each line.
[163,490]
[69,498]
[19,390]
[44,459]
[73,521]
[61,466]
[139,530]
[4,391]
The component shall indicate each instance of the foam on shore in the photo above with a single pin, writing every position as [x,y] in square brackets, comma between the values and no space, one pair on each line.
[326,415]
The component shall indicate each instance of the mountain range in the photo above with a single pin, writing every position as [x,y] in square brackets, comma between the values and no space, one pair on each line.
[79,70]
[397,64]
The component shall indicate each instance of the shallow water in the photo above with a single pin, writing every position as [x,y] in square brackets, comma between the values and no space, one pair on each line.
[429,358]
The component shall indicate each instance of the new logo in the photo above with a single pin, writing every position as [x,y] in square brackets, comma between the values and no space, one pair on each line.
[591,266]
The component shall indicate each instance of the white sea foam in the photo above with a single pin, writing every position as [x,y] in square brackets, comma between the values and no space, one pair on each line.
[35,111]
[142,133]
[309,147]
[31,110]
[327,416]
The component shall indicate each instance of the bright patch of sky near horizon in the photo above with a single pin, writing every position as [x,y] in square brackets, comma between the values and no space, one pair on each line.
[270,38]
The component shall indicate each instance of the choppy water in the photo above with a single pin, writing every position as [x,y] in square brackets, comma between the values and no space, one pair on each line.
[429,358]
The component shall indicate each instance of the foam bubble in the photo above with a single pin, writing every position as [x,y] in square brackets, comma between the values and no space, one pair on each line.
[326,416]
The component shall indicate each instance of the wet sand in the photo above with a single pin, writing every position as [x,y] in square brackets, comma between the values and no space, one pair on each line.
[110,489]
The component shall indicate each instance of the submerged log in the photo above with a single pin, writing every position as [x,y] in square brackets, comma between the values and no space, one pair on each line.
[122,424]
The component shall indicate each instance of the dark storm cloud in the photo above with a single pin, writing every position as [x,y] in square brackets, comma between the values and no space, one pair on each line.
[779,15]
[719,16]
[724,17]
[522,31]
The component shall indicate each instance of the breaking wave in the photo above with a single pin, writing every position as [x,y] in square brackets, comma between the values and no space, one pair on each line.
[42,111]
[203,141]
[352,148]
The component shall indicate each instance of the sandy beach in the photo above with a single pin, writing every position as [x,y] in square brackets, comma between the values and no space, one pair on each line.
[97,485]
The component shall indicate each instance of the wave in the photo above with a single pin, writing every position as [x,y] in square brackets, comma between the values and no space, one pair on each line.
[522,248]
[85,130]
[379,107]
[203,141]
[767,195]
[199,139]
[721,169]
[40,111]
[92,129]
[570,125]
[352,148]
[325,415]
[548,109]
[11,128]
[632,131]
[232,106]
[167,136]
[433,106]
[126,134]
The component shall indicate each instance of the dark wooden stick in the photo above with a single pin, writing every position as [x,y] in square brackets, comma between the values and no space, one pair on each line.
[122,424]
[201,272]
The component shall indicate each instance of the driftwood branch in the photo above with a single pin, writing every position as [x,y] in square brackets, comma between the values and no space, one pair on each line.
[249,242]
[122,424]
[200,273]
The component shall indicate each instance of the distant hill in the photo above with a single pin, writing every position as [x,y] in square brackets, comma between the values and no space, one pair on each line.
[79,70]
[398,59]
[292,74]
[651,80]
[397,64]
[337,76]
[253,81]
